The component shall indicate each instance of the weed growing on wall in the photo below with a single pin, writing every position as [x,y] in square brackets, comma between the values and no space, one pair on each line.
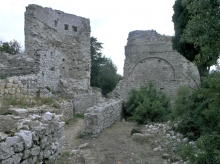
[147,104]
[23,102]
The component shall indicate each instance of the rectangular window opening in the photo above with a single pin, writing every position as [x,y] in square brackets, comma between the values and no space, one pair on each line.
[74,28]
[56,22]
[66,26]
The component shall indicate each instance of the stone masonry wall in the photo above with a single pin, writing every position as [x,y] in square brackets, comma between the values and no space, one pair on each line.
[101,116]
[15,65]
[35,139]
[22,87]
[150,57]
[83,101]
[61,44]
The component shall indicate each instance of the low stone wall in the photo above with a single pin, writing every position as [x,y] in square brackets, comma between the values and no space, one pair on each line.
[15,65]
[83,101]
[35,139]
[66,109]
[22,87]
[101,116]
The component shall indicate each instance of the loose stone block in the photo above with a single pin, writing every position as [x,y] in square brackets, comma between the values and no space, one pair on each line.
[3,136]
[35,150]
[13,140]
[9,85]
[18,147]
[5,150]
[27,138]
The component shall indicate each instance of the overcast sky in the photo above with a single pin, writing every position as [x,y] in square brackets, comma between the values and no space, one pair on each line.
[110,20]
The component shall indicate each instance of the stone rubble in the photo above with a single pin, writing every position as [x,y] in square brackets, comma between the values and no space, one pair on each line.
[42,142]
[168,142]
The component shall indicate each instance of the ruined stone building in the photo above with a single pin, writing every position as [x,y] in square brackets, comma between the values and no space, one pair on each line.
[56,58]
[56,62]
[150,57]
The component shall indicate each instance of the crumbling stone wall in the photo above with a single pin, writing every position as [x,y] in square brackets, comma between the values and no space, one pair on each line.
[15,65]
[22,87]
[35,139]
[61,44]
[57,57]
[150,57]
[101,116]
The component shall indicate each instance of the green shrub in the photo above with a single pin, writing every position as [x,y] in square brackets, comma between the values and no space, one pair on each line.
[199,111]
[77,115]
[66,153]
[3,76]
[147,104]
[182,101]
[206,151]
[48,88]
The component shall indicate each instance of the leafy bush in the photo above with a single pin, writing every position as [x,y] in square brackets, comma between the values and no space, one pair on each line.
[205,151]
[182,101]
[199,111]
[78,115]
[147,104]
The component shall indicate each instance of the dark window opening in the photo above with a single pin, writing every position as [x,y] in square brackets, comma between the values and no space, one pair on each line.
[56,22]
[66,26]
[63,59]
[74,28]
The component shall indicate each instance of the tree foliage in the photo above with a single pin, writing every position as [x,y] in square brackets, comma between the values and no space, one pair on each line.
[180,19]
[103,70]
[12,47]
[203,29]
[197,31]
[199,109]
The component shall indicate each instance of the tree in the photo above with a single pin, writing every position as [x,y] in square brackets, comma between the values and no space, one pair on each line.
[12,47]
[103,71]
[197,31]
[108,76]
[180,19]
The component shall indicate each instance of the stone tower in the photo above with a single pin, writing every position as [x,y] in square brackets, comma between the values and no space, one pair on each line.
[60,44]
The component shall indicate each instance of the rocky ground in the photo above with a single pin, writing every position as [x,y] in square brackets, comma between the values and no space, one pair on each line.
[115,145]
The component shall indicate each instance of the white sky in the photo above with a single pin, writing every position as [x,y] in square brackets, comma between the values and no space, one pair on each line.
[110,20]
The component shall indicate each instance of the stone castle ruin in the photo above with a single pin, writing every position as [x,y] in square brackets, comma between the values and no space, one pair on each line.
[56,63]
[150,57]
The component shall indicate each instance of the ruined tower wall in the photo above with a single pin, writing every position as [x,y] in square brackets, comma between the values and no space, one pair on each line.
[150,57]
[15,65]
[61,44]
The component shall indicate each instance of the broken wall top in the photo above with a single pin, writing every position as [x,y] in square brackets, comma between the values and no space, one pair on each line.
[61,22]
[150,57]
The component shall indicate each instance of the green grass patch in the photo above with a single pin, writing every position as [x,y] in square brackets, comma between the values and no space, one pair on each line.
[78,116]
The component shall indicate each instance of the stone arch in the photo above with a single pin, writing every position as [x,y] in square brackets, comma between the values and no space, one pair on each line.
[151,69]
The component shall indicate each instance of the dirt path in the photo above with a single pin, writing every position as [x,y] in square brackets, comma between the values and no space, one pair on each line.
[113,145]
